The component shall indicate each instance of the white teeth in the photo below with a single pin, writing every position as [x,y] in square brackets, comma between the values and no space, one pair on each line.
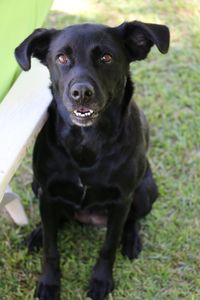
[83,114]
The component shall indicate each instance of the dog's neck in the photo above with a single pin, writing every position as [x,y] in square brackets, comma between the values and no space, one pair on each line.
[128,93]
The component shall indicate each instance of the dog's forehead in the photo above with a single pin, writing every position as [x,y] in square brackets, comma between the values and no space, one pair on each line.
[82,35]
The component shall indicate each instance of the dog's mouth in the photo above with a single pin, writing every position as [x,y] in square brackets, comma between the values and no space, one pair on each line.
[83,112]
[83,116]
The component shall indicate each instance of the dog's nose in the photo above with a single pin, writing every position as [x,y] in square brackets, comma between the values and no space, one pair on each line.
[81,91]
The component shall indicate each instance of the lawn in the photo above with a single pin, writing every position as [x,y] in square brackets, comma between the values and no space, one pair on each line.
[168,90]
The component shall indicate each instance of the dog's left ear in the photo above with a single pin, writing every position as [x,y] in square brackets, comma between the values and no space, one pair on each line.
[139,37]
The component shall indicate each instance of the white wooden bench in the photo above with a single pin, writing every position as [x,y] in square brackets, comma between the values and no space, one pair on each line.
[22,115]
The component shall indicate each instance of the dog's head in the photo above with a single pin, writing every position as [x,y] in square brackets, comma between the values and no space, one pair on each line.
[89,63]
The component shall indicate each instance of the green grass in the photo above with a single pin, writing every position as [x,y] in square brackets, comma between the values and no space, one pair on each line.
[168,90]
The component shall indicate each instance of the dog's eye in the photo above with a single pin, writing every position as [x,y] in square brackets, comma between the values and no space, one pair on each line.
[62,59]
[106,58]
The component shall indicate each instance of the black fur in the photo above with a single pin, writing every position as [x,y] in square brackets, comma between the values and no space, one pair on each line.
[90,157]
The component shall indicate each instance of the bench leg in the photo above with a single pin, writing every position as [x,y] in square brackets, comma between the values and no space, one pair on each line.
[12,203]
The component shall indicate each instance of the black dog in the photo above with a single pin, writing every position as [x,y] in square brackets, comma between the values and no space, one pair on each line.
[90,158]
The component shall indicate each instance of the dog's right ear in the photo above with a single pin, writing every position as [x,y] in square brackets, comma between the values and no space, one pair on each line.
[37,45]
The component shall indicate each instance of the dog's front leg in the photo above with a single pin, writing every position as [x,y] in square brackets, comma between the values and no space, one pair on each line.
[48,287]
[101,283]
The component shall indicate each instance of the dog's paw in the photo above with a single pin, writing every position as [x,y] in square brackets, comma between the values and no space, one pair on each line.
[35,240]
[100,288]
[47,291]
[132,247]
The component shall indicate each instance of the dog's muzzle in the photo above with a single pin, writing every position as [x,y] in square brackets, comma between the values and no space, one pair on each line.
[82,97]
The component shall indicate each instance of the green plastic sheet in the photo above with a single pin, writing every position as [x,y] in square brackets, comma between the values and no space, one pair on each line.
[18,18]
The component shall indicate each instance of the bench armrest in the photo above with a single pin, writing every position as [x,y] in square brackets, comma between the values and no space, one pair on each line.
[23,112]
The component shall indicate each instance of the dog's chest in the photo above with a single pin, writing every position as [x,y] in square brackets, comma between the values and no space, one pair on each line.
[84,147]
[89,162]
[83,155]
[94,169]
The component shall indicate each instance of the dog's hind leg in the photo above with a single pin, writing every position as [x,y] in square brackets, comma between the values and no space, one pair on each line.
[35,240]
[145,194]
